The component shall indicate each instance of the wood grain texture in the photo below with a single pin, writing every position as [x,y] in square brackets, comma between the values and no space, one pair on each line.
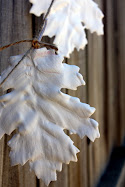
[120,5]
[96,150]
[112,74]
[115,63]
[102,65]
[96,93]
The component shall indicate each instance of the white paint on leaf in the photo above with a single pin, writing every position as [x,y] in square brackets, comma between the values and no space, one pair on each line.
[40,111]
[65,22]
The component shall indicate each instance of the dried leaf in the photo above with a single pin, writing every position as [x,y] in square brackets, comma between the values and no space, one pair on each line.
[40,112]
[66,20]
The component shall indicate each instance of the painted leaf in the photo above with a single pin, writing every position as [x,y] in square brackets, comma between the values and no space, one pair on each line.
[40,112]
[66,20]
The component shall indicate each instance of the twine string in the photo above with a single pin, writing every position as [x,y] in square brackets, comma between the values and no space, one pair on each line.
[11,44]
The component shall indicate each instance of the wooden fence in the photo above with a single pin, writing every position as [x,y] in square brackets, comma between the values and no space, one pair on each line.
[102,64]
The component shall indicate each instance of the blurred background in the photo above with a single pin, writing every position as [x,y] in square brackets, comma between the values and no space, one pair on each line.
[102,64]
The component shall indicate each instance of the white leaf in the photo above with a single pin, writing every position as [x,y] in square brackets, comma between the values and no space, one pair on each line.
[40,111]
[65,22]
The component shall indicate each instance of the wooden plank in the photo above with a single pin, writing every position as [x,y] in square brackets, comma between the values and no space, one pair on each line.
[96,150]
[15,24]
[112,74]
[120,5]
[78,171]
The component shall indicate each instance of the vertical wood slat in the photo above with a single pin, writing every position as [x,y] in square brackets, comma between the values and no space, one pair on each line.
[78,171]
[15,24]
[121,64]
[112,74]
[115,59]
[96,150]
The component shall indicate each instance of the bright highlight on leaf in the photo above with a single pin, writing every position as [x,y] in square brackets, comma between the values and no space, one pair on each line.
[40,112]
[66,19]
